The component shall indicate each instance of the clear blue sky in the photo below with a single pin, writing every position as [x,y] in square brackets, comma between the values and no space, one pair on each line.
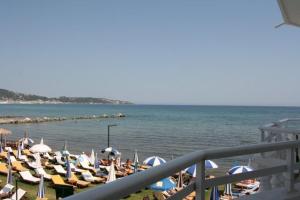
[152,52]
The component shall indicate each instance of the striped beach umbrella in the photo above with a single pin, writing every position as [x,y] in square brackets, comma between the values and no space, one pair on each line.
[163,185]
[41,192]
[228,189]
[112,173]
[208,165]
[9,178]
[239,169]
[214,194]
[69,172]
[154,161]
[111,151]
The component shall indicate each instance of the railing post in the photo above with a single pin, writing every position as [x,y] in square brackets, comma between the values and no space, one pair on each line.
[200,179]
[290,157]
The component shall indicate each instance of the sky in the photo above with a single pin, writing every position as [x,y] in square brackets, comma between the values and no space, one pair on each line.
[151,52]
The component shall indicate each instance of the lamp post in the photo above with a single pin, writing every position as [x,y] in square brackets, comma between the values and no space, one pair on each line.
[108,128]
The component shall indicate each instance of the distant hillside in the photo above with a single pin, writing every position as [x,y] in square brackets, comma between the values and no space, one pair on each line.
[7,96]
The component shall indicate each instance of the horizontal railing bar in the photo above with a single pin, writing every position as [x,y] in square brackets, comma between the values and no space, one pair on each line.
[184,192]
[244,176]
[280,130]
[130,184]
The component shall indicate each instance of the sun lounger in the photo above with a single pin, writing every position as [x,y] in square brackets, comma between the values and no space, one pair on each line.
[59,160]
[33,165]
[85,165]
[46,155]
[27,176]
[87,176]
[18,166]
[12,159]
[6,190]
[40,171]
[59,169]
[75,169]
[79,183]
[20,192]
[26,152]
[3,154]
[8,149]
[3,168]
[58,180]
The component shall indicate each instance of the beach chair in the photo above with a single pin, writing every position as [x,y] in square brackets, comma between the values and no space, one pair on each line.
[6,190]
[46,155]
[8,149]
[17,165]
[3,168]
[26,152]
[79,183]
[20,193]
[58,180]
[33,165]
[3,154]
[12,158]
[75,169]
[40,171]
[59,169]
[85,165]
[87,176]
[59,160]
[27,176]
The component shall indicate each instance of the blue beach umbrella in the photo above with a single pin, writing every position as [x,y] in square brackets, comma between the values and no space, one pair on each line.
[9,178]
[239,169]
[41,192]
[69,172]
[154,161]
[163,185]
[215,194]
[208,165]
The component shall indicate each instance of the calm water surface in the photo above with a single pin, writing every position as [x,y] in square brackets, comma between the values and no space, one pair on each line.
[167,131]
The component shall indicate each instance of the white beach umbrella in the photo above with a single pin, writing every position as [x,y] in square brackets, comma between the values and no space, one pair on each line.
[111,151]
[92,157]
[154,161]
[26,140]
[40,148]
[41,192]
[239,169]
[111,173]
[65,151]
[290,12]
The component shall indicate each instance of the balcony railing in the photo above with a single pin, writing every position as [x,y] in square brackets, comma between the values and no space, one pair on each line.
[125,186]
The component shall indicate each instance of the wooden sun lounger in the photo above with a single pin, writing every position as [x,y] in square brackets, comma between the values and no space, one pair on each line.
[40,171]
[58,180]
[79,183]
[3,154]
[27,176]
[87,176]
[20,192]
[60,170]
[17,165]
[3,168]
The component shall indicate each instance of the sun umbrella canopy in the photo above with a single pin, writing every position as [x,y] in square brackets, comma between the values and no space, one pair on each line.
[40,148]
[290,10]
[154,161]
[26,141]
[163,185]
[111,173]
[111,151]
[65,151]
[208,165]
[41,192]
[215,194]
[92,157]
[239,169]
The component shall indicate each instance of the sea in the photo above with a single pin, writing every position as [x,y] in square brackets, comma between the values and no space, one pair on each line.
[168,131]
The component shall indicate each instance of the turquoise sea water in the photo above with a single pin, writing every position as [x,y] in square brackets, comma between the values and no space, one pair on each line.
[167,131]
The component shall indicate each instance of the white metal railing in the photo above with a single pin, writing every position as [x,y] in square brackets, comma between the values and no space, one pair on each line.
[125,186]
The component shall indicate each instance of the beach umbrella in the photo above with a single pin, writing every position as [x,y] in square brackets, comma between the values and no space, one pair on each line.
[69,172]
[111,174]
[228,189]
[154,161]
[4,132]
[96,163]
[65,151]
[208,165]
[239,169]
[19,151]
[214,194]
[290,12]
[111,151]
[22,145]
[180,180]
[136,161]
[26,139]
[92,157]
[40,148]
[163,185]
[41,192]
[9,178]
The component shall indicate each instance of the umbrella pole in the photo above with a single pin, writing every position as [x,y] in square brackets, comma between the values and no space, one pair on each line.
[1,138]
